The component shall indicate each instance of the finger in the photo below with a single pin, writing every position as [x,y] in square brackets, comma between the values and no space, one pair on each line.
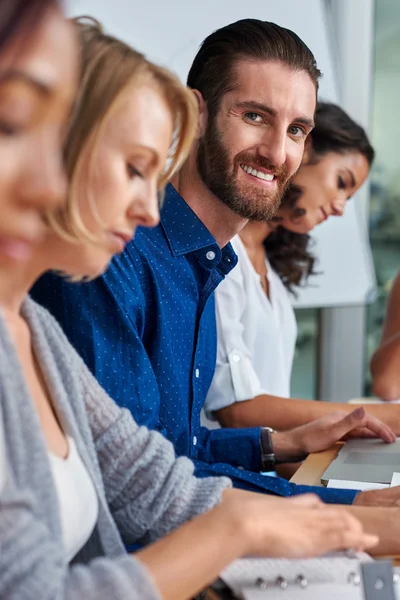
[370,540]
[358,541]
[359,419]
[380,429]
[364,432]
[306,501]
[346,424]
[342,532]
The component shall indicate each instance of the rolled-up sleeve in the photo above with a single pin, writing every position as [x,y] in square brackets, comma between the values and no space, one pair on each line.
[235,378]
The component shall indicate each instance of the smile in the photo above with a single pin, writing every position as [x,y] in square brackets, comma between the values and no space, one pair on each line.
[258,174]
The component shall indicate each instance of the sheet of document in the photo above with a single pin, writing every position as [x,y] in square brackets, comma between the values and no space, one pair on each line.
[371,401]
[395,480]
[363,486]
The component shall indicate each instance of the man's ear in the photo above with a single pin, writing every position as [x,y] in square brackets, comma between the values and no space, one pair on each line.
[307,150]
[203,114]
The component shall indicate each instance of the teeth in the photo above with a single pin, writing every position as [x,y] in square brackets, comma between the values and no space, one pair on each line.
[258,174]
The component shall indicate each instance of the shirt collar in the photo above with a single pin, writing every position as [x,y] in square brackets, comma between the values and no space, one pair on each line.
[186,233]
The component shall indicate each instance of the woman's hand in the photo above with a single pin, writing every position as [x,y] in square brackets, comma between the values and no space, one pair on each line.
[299,527]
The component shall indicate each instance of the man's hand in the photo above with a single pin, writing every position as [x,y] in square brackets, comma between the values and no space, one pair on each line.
[389,497]
[290,446]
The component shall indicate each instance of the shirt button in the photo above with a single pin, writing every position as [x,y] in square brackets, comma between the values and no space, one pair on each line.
[236,358]
[210,255]
[197,373]
[194,440]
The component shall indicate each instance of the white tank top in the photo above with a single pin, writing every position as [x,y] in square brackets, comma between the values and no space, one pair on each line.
[79,505]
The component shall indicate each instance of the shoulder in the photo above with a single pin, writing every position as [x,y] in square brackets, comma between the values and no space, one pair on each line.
[47,330]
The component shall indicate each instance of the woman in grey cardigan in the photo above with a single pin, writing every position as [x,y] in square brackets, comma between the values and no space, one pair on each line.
[82,477]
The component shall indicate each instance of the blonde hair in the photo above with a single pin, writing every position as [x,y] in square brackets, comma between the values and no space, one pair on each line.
[109,66]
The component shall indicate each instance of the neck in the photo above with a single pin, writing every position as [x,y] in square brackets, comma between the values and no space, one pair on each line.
[254,234]
[15,283]
[219,219]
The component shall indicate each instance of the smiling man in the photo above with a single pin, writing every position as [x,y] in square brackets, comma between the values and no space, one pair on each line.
[147,328]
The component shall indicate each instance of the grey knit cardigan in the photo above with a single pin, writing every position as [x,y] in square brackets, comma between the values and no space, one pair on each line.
[144,491]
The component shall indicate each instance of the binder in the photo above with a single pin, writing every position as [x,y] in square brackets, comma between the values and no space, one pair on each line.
[332,577]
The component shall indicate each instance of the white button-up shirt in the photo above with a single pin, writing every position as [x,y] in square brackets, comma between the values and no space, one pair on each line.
[256,336]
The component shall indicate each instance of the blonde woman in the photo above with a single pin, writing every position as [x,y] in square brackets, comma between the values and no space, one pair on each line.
[84,477]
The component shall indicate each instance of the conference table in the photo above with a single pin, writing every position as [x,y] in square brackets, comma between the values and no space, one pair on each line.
[312,469]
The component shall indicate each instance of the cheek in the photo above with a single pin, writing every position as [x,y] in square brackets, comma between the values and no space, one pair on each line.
[301,225]
[106,192]
[239,137]
[13,159]
[294,157]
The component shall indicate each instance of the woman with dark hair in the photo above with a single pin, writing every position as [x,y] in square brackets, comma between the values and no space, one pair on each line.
[256,323]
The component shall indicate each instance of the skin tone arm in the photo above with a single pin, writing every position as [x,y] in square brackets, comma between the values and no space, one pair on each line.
[386,359]
[287,413]
[243,524]
[320,435]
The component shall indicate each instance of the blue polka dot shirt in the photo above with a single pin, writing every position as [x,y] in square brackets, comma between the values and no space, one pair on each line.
[147,331]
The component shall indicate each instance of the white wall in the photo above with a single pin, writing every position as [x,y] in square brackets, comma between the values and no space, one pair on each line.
[171,32]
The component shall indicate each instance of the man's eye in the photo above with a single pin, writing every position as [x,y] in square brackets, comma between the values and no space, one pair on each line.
[296,131]
[254,117]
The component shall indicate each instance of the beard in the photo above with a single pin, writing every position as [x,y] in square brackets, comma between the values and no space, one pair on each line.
[219,173]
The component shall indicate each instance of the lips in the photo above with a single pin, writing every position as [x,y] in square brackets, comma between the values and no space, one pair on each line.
[262,177]
[121,238]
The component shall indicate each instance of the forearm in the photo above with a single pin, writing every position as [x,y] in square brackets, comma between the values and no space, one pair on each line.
[287,413]
[197,553]
[383,522]
[385,369]
[274,411]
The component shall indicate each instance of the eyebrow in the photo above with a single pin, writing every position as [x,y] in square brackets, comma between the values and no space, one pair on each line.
[155,159]
[271,111]
[15,75]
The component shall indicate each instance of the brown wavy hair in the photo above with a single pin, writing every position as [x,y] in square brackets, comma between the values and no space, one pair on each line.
[289,253]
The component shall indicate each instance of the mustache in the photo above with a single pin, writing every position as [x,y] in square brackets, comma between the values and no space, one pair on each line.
[279,172]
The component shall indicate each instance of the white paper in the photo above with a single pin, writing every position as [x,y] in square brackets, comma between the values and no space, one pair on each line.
[395,480]
[372,401]
[363,486]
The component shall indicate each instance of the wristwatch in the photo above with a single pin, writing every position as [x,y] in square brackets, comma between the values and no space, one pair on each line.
[268,458]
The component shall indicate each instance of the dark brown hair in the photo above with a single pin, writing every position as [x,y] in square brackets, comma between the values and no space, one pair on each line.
[21,17]
[288,252]
[212,71]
